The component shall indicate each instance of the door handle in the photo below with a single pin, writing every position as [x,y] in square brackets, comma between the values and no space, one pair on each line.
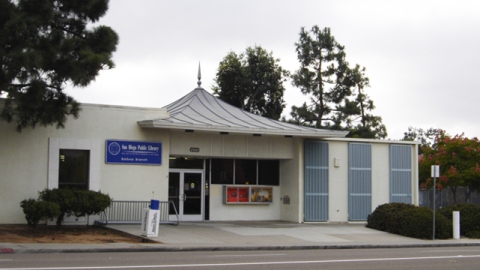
[183,197]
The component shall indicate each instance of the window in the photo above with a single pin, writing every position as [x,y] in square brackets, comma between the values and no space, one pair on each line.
[222,171]
[245,172]
[73,171]
[92,146]
[269,172]
[185,163]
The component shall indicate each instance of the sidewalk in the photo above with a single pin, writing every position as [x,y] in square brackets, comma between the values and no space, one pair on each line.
[265,235]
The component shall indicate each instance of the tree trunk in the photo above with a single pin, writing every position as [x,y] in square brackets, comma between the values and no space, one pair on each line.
[469,193]
[454,190]
[362,108]
[60,220]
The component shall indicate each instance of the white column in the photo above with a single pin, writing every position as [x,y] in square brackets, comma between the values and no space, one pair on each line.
[456,225]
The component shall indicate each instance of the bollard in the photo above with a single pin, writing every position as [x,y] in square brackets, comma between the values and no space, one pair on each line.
[456,225]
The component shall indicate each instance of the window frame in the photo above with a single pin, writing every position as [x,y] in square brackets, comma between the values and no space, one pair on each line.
[55,144]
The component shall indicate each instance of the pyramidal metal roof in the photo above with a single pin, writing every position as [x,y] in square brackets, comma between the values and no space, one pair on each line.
[200,110]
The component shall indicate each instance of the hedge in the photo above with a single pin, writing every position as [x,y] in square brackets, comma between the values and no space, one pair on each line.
[384,218]
[409,220]
[469,216]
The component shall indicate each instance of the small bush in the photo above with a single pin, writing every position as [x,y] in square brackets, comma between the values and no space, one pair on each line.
[418,222]
[469,216]
[37,210]
[385,217]
[76,202]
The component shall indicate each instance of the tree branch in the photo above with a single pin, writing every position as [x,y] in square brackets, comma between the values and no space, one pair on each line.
[68,31]
[29,84]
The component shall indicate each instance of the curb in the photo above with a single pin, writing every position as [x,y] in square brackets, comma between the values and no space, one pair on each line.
[232,248]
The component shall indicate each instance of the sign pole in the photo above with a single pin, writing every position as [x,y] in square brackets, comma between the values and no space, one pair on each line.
[434,204]
[435,174]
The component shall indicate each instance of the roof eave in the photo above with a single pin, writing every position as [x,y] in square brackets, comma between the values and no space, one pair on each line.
[298,133]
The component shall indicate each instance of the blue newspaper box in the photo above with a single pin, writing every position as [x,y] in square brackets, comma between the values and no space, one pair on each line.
[154,204]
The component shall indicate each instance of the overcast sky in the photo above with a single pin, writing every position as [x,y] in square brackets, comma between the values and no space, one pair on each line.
[422,57]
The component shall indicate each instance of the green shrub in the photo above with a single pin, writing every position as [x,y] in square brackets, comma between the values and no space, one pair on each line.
[469,216]
[385,217]
[473,234]
[409,220]
[91,202]
[76,202]
[37,210]
[418,222]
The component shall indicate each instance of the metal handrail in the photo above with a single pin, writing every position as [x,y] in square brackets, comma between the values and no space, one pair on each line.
[130,212]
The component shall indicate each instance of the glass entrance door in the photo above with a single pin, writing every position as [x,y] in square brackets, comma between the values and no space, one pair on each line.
[186,192]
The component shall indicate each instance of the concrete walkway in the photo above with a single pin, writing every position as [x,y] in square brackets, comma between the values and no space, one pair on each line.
[205,236]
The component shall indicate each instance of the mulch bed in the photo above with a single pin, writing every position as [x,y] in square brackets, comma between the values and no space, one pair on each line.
[20,233]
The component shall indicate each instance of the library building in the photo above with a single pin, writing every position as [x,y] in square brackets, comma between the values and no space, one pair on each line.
[213,161]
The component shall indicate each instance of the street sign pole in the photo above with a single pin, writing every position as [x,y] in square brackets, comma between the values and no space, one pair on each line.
[435,174]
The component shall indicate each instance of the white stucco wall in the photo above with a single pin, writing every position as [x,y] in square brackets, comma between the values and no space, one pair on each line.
[380,174]
[291,183]
[338,182]
[24,157]
[212,144]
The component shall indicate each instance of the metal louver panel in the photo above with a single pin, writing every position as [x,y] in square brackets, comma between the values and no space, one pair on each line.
[316,181]
[359,181]
[401,174]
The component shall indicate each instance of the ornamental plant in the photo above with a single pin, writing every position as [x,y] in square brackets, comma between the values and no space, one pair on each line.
[36,210]
[76,202]
[459,159]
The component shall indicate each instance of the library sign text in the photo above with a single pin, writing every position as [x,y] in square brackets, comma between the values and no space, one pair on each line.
[133,152]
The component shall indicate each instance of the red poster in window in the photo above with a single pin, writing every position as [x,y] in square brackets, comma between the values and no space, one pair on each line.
[232,195]
[243,195]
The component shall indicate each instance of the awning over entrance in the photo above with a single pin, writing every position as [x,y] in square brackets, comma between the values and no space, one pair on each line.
[200,110]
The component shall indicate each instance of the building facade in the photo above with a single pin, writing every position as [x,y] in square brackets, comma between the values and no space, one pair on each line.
[214,161]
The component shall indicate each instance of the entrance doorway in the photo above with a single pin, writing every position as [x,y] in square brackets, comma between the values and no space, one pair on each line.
[185,189]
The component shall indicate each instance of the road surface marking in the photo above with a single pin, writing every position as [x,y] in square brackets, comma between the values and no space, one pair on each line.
[249,264]
[252,255]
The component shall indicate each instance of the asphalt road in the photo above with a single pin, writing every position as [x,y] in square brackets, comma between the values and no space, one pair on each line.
[408,258]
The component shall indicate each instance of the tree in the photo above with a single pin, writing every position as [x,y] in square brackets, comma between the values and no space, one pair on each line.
[322,75]
[425,137]
[369,126]
[252,81]
[44,45]
[325,76]
[459,160]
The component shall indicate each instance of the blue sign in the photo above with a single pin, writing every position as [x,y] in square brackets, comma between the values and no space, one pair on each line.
[133,152]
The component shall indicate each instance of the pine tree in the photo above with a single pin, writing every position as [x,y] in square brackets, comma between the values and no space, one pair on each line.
[45,44]
[252,81]
[364,125]
[323,77]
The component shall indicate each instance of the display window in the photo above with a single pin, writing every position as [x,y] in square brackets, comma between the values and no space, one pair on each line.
[247,195]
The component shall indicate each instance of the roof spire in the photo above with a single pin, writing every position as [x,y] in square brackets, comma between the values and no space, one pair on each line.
[199,76]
